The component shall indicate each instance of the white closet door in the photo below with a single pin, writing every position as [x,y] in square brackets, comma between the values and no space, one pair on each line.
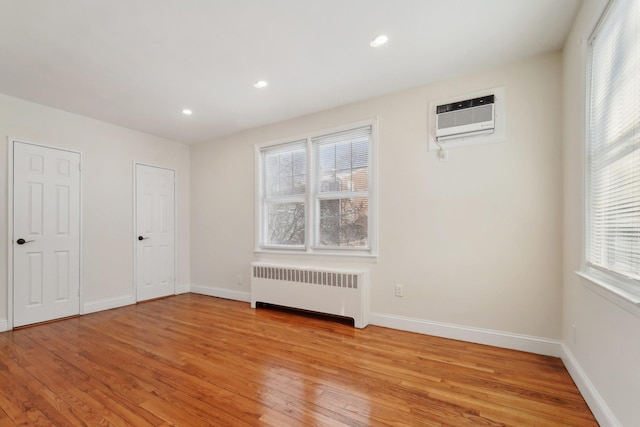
[155,232]
[46,233]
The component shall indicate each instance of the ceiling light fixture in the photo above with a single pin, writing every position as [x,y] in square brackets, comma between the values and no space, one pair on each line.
[260,84]
[187,112]
[379,40]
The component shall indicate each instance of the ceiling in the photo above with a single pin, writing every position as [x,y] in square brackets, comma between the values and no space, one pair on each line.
[139,63]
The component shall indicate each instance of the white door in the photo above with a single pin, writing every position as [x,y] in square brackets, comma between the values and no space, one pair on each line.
[155,235]
[46,233]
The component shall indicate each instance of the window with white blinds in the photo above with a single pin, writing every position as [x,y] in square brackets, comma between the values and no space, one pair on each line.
[613,148]
[342,205]
[315,194]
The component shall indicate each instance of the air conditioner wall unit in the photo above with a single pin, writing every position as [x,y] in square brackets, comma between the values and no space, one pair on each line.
[470,117]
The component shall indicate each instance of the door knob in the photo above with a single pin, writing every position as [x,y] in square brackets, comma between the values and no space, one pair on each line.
[142,238]
[22,241]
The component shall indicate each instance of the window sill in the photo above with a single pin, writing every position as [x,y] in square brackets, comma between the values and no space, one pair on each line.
[323,255]
[625,299]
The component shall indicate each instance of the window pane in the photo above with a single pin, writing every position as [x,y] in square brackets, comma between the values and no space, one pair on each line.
[299,184]
[286,173]
[343,180]
[360,153]
[344,222]
[271,172]
[299,162]
[285,223]
[343,155]
[360,179]
[328,181]
[344,166]
[327,157]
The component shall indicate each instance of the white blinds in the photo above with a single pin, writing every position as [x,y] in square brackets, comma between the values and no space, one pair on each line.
[613,209]
[343,161]
[342,182]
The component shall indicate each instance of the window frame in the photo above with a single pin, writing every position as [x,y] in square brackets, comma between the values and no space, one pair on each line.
[312,244]
[618,284]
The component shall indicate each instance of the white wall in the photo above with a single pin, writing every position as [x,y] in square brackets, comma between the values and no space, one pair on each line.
[606,347]
[108,153]
[475,240]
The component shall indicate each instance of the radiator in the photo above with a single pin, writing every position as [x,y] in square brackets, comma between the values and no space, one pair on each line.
[329,291]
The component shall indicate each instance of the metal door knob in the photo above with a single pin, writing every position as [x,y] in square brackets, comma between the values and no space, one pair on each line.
[142,238]
[22,241]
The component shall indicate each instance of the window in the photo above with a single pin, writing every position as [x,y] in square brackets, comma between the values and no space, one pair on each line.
[285,195]
[315,195]
[613,151]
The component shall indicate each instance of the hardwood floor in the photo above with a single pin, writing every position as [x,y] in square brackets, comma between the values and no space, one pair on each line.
[193,360]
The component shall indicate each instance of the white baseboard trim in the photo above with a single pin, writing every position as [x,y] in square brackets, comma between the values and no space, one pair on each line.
[600,409]
[4,325]
[221,293]
[182,289]
[108,304]
[547,347]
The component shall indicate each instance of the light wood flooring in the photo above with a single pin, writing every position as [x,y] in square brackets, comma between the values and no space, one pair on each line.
[193,360]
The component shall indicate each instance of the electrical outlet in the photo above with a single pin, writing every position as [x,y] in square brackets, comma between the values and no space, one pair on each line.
[574,334]
[239,280]
[399,290]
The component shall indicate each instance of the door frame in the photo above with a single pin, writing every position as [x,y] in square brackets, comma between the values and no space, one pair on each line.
[10,237]
[135,235]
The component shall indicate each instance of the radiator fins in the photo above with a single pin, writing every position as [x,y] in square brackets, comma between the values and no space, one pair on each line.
[323,278]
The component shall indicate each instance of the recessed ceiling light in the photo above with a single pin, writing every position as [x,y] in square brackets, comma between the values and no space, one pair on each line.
[187,112]
[260,84]
[379,40]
